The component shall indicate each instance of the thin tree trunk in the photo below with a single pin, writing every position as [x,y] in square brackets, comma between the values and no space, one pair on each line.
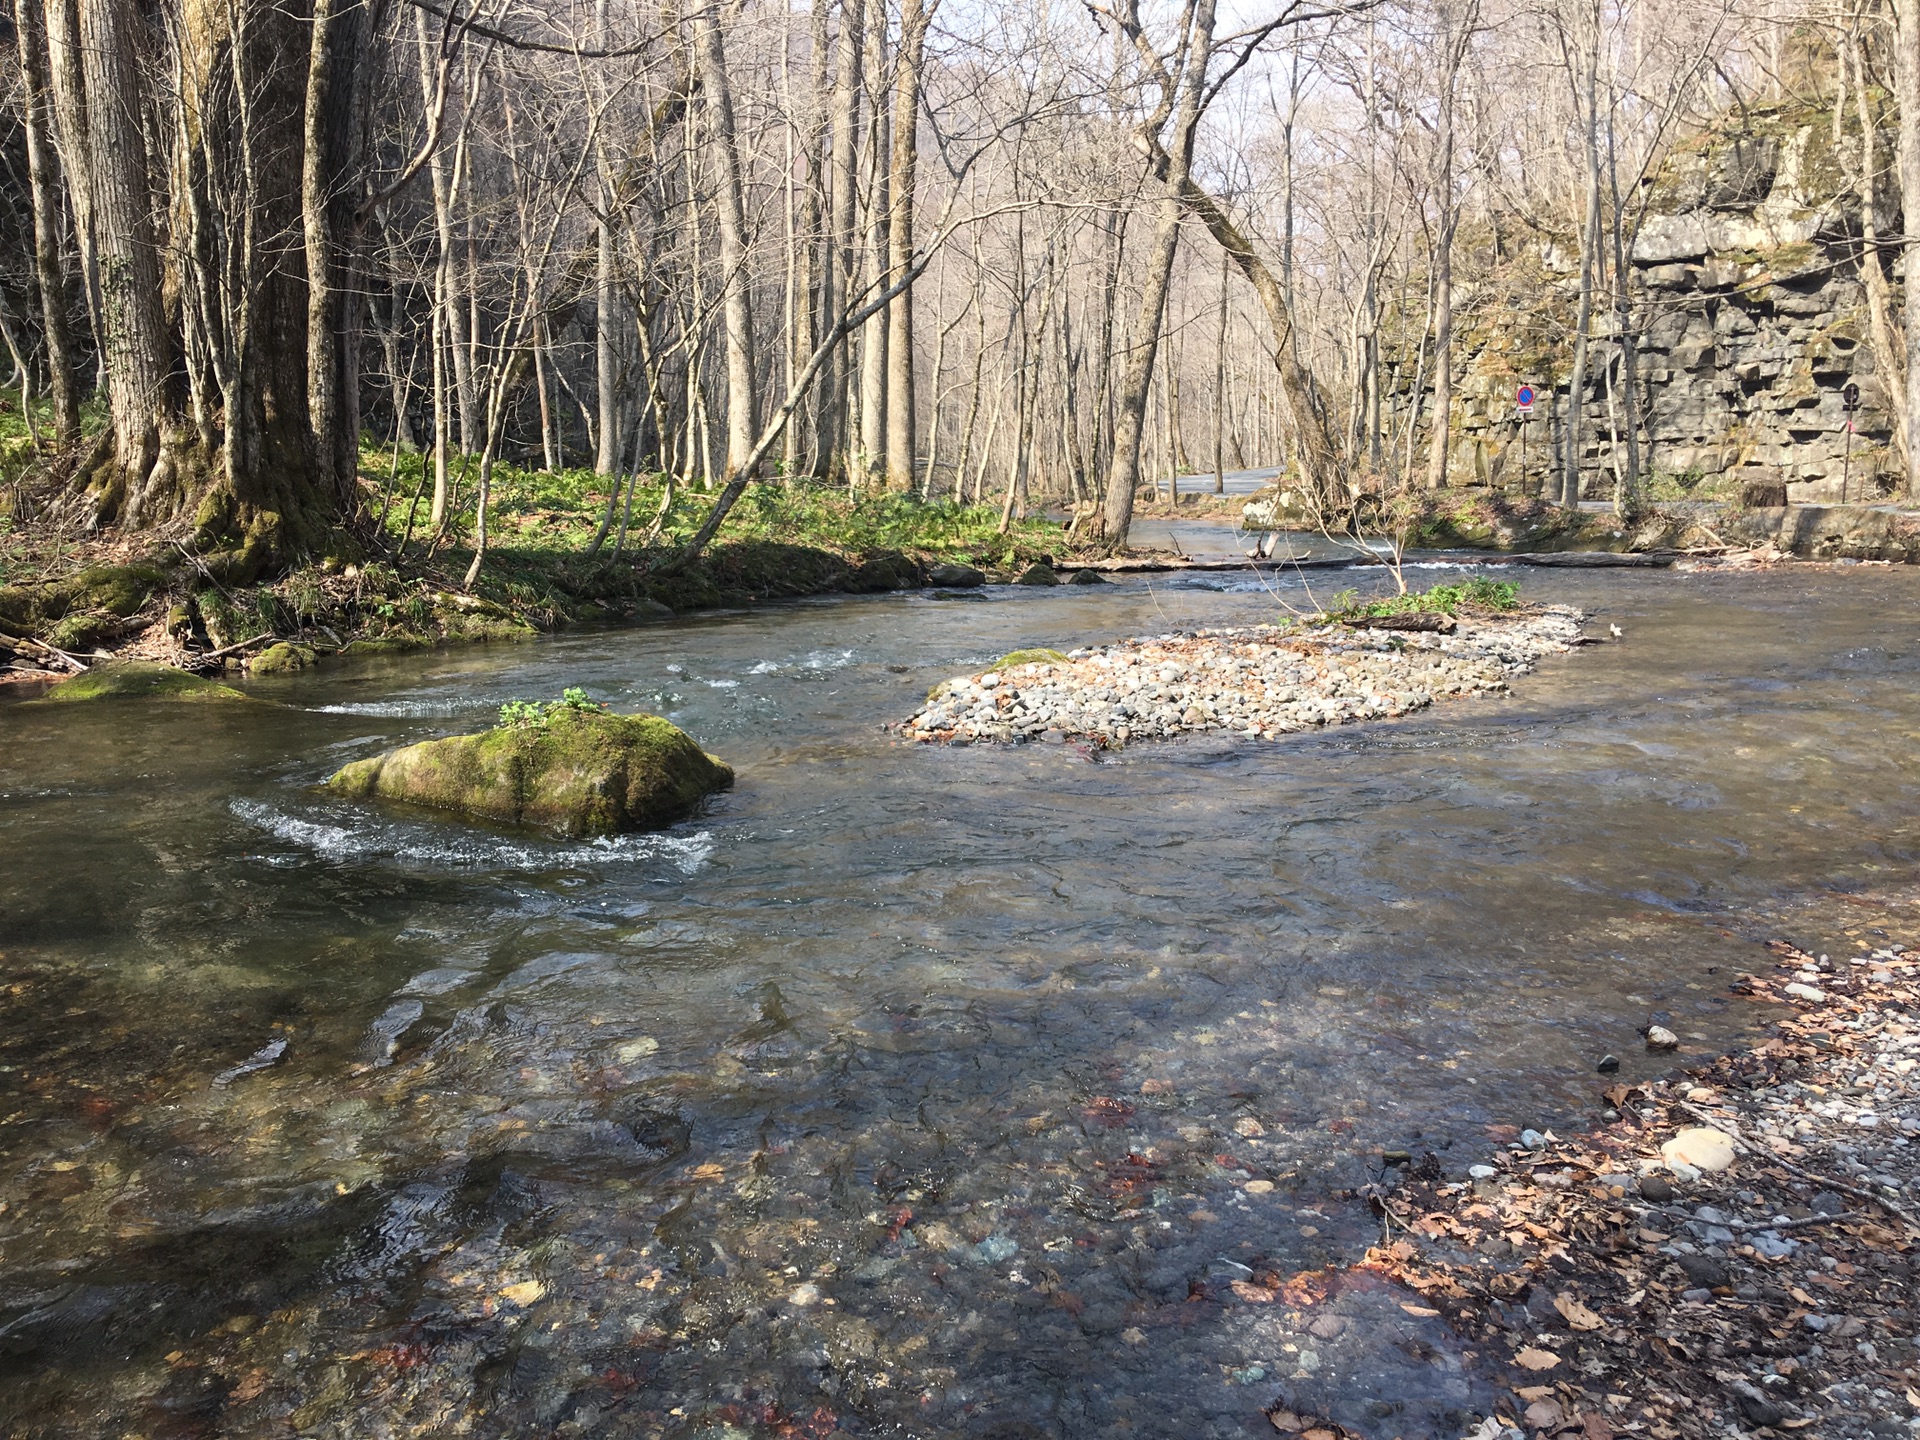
[1220,387]
[1907,87]
[44,182]
[875,334]
[132,327]
[736,281]
[1589,261]
[902,441]
[838,280]
[1443,248]
[1887,355]
[68,87]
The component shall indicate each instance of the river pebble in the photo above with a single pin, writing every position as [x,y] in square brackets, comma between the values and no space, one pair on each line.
[1258,681]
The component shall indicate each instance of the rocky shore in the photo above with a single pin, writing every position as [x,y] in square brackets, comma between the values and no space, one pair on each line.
[1731,1252]
[1257,681]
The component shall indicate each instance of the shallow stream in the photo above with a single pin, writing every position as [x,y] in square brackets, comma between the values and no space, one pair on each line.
[908,1091]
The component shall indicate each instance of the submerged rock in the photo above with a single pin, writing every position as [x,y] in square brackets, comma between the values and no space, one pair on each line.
[581,773]
[1037,574]
[142,682]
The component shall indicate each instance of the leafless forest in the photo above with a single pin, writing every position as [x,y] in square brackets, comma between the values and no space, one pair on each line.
[1014,254]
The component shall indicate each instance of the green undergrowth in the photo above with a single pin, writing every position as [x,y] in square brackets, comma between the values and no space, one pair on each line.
[378,595]
[1478,595]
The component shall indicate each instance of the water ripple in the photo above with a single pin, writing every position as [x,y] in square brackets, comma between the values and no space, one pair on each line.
[370,839]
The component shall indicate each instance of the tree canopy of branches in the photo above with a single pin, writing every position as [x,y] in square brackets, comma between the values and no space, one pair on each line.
[1038,253]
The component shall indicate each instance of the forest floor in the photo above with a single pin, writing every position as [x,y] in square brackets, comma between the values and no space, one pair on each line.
[1730,1251]
[66,592]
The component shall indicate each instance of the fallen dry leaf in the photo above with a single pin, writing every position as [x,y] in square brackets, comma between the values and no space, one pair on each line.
[708,1171]
[1576,1315]
[1251,1293]
[1544,1414]
[1425,1312]
[1534,1358]
[1285,1421]
[525,1293]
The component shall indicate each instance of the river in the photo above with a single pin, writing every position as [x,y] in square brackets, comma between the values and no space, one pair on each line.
[907,1091]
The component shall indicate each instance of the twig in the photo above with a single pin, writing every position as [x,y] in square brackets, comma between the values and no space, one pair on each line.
[1744,1226]
[74,662]
[195,561]
[241,645]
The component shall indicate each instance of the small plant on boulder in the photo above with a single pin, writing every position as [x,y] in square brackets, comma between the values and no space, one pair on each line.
[534,714]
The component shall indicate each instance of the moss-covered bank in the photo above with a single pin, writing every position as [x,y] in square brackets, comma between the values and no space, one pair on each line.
[579,772]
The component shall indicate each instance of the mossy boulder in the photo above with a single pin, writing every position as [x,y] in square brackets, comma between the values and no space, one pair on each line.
[82,632]
[282,659]
[115,590]
[580,773]
[1038,573]
[141,682]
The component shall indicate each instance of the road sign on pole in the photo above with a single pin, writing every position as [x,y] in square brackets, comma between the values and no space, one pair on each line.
[1523,403]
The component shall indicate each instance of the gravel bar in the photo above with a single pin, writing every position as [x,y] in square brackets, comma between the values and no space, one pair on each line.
[1258,681]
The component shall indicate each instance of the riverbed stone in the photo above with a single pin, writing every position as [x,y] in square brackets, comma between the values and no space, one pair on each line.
[951,575]
[1700,1146]
[132,681]
[1037,574]
[580,773]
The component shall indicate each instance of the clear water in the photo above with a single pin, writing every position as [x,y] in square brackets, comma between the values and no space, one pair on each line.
[907,1091]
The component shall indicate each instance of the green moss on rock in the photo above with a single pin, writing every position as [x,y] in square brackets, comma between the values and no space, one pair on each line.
[282,659]
[81,632]
[582,773]
[141,682]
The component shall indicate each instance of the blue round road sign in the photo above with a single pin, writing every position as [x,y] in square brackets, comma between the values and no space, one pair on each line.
[1526,396]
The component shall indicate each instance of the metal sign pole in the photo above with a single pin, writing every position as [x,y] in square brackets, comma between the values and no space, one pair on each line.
[1849,402]
[1523,403]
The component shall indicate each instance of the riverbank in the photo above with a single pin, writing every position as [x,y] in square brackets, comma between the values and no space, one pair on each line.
[1480,519]
[1731,1250]
[1256,681]
[69,599]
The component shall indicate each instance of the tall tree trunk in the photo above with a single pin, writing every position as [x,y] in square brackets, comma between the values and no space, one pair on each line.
[838,280]
[915,16]
[67,84]
[1443,250]
[606,458]
[1627,498]
[1587,96]
[132,329]
[1136,384]
[816,262]
[330,128]
[872,467]
[1907,86]
[44,182]
[736,281]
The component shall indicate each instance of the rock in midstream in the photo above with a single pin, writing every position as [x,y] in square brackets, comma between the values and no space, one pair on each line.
[1261,680]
